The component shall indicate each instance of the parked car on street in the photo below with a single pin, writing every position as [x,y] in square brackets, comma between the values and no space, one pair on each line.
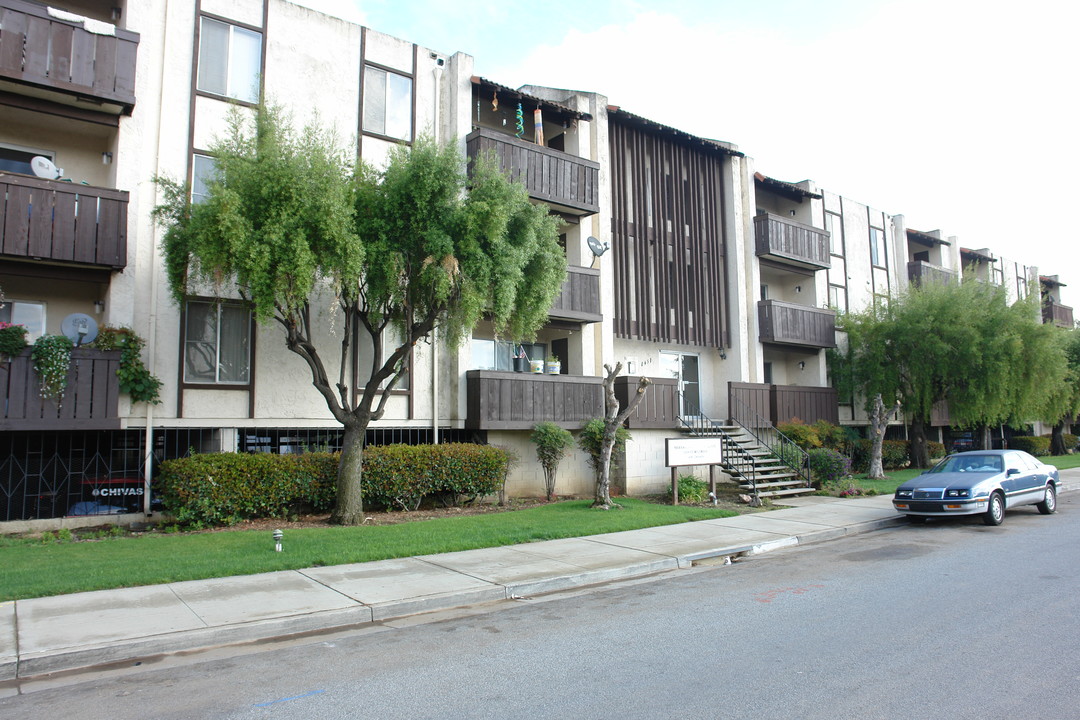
[980,482]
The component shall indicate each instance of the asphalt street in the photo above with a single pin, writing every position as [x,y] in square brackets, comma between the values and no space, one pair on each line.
[948,619]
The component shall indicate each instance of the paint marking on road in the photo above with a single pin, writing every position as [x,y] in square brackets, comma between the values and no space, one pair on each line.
[294,697]
[769,595]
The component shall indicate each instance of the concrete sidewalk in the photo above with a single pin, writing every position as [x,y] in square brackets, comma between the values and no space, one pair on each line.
[95,629]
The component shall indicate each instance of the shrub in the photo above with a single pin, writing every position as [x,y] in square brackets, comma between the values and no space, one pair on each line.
[691,490]
[895,454]
[935,449]
[1037,446]
[803,435]
[828,467]
[134,378]
[12,340]
[225,488]
[832,436]
[592,436]
[552,442]
[1069,439]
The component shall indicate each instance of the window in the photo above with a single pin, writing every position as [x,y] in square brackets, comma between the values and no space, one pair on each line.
[500,354]
[17,159]
[877,247]
[217,343]
[202,171]
[229,60]
[835,226]
[838,297]
[387,103]
[31,315]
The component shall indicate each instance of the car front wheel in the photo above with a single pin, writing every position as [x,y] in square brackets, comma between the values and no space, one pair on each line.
[1049,504]
[995,511]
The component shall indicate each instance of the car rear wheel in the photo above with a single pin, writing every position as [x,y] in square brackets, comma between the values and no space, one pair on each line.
[995,511]
[1049,504]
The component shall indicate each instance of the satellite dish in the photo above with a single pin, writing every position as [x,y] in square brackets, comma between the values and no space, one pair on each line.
[44,168]
[598,248]
[79,328]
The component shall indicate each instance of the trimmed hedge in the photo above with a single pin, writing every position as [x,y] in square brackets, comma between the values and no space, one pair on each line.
[1071,441]
[225,488]
[895,454]
[1037,446]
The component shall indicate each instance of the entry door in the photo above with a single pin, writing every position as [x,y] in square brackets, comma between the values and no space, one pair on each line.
[684,368]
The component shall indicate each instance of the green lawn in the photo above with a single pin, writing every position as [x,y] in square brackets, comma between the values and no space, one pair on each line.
[31,568]
[894,478]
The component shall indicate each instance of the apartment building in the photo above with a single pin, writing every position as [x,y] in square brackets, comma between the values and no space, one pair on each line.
[685,264]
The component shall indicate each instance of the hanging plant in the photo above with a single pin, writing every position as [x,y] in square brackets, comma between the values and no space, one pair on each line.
[12,340]
[52,360]
[135,379]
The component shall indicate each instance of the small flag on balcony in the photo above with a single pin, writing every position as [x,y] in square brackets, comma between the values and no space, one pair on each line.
[538,121]
[520,121]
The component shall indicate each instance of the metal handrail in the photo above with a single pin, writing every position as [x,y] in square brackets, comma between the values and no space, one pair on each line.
[736,456]
[762,430]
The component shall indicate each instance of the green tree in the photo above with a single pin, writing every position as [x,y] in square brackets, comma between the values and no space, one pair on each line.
[552,442]
[961,343]
[419,246]
[1063,402]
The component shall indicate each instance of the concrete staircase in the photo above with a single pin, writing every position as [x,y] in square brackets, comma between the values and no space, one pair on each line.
[771,477]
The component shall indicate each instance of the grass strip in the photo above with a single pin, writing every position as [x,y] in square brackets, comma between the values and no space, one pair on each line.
[30,568]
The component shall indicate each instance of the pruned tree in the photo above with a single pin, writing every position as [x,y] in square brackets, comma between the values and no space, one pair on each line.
[880,417]
[419,246]
[609,433]
[961,343]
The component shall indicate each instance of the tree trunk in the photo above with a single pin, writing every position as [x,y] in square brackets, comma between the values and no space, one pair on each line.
[920,455]
[982,438]
[613,420]
[1057,439]
[603,475]
[879,421]
[349,509]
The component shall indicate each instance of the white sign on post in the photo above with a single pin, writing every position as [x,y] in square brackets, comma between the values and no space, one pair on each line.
[693,451]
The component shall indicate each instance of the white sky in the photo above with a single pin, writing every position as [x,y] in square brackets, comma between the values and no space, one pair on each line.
[961,115]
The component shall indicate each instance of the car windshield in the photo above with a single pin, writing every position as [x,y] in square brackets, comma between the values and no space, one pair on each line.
[969,463]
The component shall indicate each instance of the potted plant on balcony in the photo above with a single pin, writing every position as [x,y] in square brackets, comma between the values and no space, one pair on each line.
[553,366]
[536,366]
[12,340]
[521,360]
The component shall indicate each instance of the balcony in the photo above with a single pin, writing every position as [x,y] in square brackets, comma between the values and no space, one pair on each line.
[784,323]
[517,401]
[658,409]
[920,272]
[62,222]
[579,301]
[64,60]
[89,403]
[570,184]
[753,403]
[784,240]
[1060,315]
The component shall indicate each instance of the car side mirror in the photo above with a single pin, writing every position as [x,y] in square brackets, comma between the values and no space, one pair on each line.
[1012,471]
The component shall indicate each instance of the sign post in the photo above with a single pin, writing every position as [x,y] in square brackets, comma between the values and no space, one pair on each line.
[681,452]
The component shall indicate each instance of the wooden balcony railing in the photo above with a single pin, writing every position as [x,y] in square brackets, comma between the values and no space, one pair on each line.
[61,55]
[579,300]
[569,183]
[781,403]
[61,221]
[786,323]
[920,272]
[90,401]
[1060,315]
[517,401]
[785,240]
[658,409]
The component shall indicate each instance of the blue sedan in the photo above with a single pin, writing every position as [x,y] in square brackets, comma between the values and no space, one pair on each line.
[980,482]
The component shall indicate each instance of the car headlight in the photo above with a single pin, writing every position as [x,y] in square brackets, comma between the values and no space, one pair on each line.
[903,493]
[957,493]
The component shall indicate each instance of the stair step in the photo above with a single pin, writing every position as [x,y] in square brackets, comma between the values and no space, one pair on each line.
[777,484]
[792,491]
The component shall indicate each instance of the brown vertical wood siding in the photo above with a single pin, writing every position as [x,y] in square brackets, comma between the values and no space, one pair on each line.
[90,401]
[669,283]
[579,299]
[517,401]
[786,323]
[780,403]
[658,409]
[44,51]
[61,221]
[782,239]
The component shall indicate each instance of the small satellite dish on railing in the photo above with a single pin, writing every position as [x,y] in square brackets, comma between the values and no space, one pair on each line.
[79,328]
[598,248]
[43,167]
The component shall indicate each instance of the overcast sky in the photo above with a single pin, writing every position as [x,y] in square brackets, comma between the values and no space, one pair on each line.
[960,115]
